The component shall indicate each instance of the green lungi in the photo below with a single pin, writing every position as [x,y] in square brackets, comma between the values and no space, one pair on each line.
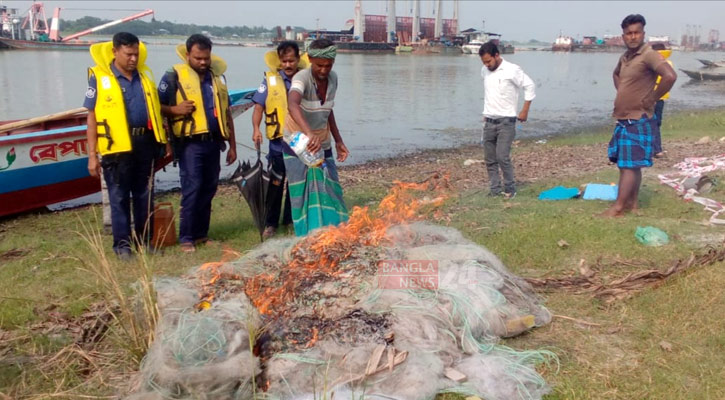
[315,194]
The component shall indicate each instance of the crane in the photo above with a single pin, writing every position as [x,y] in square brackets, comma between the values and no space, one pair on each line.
[106,25]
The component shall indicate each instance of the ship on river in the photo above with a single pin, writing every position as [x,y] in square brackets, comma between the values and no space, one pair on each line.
[589,44]
[383,33]
[34,33]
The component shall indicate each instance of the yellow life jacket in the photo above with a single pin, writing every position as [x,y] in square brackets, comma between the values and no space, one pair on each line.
[666,54]
[189,88]
[113,129]
[275,107]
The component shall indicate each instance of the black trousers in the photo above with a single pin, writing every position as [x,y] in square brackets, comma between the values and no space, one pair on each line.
[277,184]
[129,180]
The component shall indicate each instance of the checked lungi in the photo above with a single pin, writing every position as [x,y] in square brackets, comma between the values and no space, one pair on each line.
[632,142]
[315,194]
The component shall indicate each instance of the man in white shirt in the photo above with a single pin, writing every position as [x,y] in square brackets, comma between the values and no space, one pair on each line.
[502,82]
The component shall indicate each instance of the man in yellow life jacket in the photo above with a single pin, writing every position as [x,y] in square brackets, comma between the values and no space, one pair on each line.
[660,105]
[271,101]
[126,129]
[194,97]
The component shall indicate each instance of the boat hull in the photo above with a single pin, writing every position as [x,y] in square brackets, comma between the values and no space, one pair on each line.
[47,163]
[365,47]
[38,197]
[704,75]
[561,47]
[711,64]
[35,45]
[471,48]
[42,168]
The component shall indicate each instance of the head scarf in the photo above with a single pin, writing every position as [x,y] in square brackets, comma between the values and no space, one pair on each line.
[329,52]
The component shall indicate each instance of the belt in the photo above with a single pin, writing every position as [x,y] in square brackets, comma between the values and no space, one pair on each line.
[499,120]
[140,131]
[200,137]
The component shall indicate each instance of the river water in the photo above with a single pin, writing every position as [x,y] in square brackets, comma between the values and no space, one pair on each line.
[387,104]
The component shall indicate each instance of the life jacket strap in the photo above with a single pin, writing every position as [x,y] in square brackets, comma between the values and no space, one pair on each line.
[107,134]
[272,119]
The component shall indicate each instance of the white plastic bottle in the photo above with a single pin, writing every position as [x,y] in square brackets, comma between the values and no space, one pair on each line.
[298,142]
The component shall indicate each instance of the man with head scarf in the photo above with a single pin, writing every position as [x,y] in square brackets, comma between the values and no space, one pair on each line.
[315,191]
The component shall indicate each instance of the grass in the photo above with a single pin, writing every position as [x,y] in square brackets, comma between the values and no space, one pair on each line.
[621,359]
[666,342]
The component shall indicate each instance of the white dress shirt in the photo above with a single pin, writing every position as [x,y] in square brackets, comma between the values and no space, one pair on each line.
[501,89]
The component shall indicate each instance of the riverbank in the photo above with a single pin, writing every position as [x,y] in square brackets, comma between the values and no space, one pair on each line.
[662,342]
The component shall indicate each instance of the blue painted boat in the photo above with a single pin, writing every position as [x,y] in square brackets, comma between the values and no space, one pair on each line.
[47,162]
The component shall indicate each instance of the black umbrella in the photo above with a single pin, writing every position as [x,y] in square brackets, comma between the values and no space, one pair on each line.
[252,181]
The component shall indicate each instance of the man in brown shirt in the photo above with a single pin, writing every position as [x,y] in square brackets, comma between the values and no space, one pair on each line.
[634,78]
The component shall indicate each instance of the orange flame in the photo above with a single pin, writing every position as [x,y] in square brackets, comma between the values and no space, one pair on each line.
[323,252]
[211,269]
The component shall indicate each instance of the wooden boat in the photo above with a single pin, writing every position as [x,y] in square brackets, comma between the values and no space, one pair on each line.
[44,160]
[710,74]
[37,45]
[47,37]
[711,64]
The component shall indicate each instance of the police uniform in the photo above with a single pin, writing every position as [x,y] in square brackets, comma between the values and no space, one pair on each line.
[130,132]
[201,138]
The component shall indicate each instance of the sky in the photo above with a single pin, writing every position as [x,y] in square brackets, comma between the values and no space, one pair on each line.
[515,20]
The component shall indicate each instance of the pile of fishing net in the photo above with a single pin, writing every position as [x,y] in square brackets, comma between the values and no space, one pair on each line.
[417,311]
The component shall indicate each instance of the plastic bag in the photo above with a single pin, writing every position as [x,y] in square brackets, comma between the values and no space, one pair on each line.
[599,191]
[559,193]
[651,236]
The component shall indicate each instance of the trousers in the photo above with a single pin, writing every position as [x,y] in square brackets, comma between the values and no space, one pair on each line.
[199,175]
[497,140]
[129,178]
[277,183]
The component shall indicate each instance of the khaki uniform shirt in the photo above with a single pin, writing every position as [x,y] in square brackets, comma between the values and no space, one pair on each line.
[637,79]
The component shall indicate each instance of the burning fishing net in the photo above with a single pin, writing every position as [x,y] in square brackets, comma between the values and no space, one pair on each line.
[375,308]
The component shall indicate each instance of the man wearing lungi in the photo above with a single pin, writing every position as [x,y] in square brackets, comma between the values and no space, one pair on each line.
[631,146]
[315,192]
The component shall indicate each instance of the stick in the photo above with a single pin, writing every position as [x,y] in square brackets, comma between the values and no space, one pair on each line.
[107,223]
[32,121]
[397,360]
[577,320]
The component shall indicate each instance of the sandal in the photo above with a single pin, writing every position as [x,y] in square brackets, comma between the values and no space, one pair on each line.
[203,241]
[187,247]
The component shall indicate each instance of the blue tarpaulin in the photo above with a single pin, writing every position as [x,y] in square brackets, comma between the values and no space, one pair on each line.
[599,191]
[559,193]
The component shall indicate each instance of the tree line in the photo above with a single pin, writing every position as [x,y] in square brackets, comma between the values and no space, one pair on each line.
[155,27]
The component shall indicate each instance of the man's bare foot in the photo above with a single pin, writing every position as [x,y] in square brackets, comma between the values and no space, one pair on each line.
[611,212]
[633,209]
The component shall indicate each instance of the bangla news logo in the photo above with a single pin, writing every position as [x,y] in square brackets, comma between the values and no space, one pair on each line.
[408,274]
